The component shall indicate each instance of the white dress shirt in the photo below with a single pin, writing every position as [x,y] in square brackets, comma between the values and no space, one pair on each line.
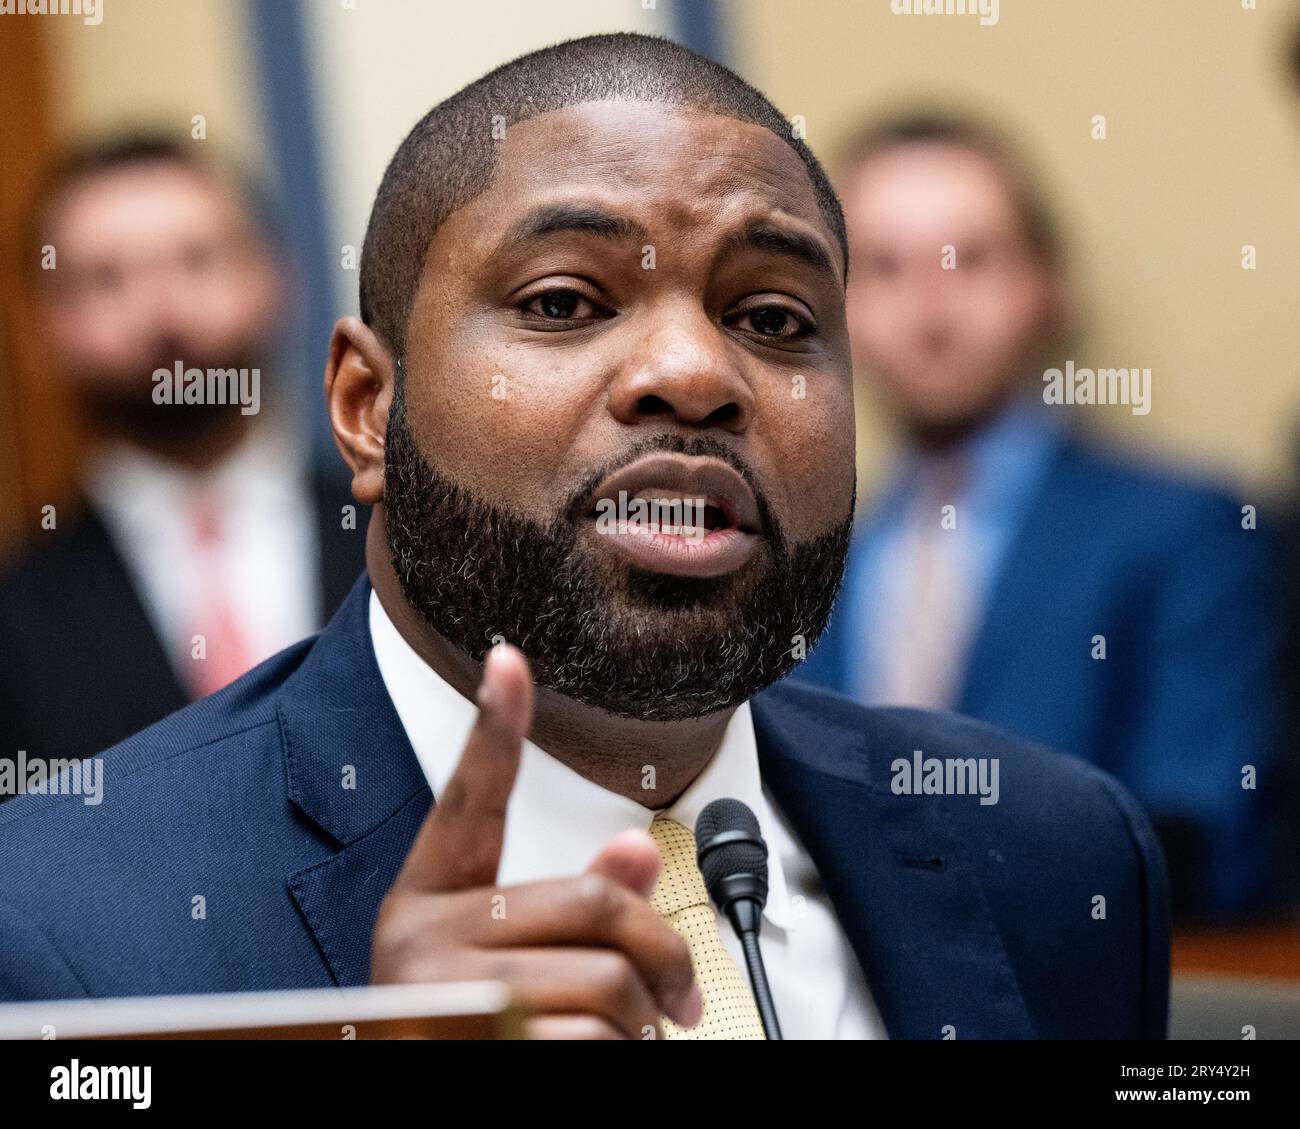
[557,821]
[269,555]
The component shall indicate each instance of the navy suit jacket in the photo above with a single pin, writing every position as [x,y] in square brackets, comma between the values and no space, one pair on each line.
[81,663]
[1185,697]
[974,918]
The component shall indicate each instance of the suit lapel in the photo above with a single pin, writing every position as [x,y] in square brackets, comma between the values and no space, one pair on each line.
[101,570]
[339,898]
[352,772]
[134,682]
[1038,553]
[901,885]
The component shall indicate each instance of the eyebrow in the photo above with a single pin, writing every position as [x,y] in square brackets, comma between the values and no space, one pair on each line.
[553,219]
[757,235]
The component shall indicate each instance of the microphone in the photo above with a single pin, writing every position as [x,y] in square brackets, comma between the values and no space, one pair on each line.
[733,859]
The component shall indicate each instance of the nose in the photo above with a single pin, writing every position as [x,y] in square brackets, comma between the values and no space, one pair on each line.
[683,368]
[932,298]
[159,307]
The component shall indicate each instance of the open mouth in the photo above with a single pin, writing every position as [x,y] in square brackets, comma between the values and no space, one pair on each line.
[716,516]
[655,510]
[677,515]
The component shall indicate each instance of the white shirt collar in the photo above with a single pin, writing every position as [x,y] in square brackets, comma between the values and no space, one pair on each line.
[132,485]
[558,820]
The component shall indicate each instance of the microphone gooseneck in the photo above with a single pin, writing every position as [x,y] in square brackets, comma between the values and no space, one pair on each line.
[733,860]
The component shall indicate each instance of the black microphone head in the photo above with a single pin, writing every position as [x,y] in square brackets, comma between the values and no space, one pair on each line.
[728,844]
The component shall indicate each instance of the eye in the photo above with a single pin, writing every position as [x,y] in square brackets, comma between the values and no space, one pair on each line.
[559,304]
[101,279]
[775,321]
[198,258]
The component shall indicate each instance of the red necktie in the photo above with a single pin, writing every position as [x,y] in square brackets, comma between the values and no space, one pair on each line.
[213,614]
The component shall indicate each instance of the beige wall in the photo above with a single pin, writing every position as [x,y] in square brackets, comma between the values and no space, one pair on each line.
[160,63]
[1203,156]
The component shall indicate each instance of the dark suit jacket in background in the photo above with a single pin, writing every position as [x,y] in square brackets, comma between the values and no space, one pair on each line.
[1188,602]
[979,918]
[81,666]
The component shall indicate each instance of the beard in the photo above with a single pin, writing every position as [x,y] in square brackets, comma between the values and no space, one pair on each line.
[634,643]
[120,401]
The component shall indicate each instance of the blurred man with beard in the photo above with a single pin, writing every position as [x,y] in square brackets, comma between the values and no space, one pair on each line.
[203,545]
[491,763]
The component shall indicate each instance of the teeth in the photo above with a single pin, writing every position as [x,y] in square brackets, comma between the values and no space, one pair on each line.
[674,515]
[661,511]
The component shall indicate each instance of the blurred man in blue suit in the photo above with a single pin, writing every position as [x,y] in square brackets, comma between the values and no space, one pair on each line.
[1015,572]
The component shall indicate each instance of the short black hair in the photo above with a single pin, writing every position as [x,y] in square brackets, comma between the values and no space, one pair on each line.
[449,157]
[118,150]
[939,127]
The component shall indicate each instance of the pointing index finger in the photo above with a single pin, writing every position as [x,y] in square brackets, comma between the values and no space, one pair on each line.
[458,846]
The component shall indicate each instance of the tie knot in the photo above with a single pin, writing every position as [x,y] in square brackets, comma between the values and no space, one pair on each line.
[680,884]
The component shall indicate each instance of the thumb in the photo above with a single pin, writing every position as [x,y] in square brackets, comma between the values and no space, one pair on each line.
[631,859]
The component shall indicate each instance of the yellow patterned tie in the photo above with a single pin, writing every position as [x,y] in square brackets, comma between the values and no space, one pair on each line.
[679,894]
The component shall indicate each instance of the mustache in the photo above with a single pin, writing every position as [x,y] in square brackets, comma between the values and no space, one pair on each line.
[574,509]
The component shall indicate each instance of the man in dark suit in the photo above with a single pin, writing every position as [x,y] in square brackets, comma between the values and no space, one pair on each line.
[490,762]
[1019,573]
[201,545]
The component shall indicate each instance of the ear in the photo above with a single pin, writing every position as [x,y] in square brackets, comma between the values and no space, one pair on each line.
[358,392]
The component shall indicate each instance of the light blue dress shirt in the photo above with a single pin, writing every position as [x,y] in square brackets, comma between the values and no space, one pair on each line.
[1006,460]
